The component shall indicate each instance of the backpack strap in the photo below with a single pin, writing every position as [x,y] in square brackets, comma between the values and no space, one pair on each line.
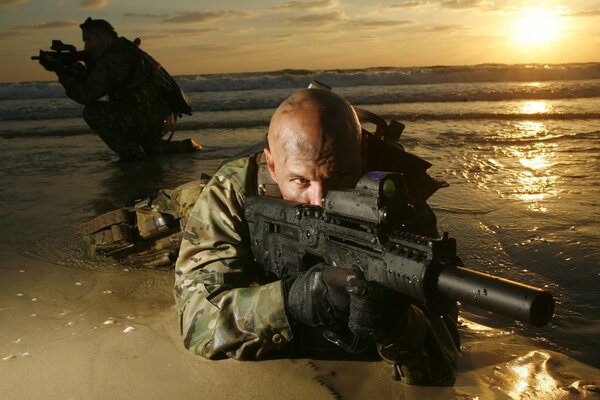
[266,184]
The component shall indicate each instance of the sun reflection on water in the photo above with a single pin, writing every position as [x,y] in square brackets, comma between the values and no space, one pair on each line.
[534,107]
[531,377]
[533,173]
[535,163]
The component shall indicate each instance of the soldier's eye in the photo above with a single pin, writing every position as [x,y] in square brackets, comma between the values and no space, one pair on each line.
[301,181]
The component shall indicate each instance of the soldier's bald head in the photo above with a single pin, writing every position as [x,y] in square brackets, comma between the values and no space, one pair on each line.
[314,145]
[311,116]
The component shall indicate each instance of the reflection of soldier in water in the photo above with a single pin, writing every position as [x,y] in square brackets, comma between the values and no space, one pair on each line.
[131,121]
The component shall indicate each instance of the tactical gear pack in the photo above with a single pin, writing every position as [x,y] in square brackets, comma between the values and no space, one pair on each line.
[168,88]
[147,234]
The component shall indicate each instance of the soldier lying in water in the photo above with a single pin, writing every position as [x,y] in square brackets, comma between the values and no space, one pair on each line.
[315,144]
[228,306]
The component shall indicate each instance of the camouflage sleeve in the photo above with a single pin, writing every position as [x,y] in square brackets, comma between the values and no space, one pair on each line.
[110,71]
[223,312]
[427,351]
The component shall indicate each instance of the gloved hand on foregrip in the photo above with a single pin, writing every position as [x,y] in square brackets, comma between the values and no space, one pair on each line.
[376,313]
[51,63]
[318,297]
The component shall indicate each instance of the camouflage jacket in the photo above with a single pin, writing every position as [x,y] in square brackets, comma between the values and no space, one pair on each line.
[118,74]
[226,308]
[224,311]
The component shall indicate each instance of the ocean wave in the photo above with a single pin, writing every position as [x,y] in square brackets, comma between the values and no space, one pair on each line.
[345,78]
[263,122]
[489,116]
[390,76]
[31,90]
[375,95]
[67,110]
[458,139]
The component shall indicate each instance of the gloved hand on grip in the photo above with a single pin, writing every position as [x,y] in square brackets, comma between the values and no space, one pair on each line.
[51,63]
[318,297]
[376,313]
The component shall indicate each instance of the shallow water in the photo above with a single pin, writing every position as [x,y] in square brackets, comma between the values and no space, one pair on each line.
[524,174]
[523,204]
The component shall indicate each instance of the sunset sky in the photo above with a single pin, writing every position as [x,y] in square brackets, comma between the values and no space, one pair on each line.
[195,37]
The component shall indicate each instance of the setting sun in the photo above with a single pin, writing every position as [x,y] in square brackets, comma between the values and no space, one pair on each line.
[536,27]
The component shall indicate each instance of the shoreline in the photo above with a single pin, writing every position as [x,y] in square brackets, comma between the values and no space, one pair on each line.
[112,333]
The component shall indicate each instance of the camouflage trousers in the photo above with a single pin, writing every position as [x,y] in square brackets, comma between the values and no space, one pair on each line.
[132,133]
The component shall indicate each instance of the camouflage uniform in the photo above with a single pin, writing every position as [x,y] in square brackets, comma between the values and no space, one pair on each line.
[131,121]
[227,309]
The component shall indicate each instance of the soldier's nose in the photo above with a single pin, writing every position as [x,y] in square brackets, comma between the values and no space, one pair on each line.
[315,195]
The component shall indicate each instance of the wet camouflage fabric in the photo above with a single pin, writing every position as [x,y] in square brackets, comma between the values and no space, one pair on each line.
[131,121]
[226,310]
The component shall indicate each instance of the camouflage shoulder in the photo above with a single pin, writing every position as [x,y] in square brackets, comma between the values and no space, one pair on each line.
[241,173]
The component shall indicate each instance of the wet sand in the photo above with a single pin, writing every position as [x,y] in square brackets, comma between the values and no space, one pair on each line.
[112,333]
[74,334]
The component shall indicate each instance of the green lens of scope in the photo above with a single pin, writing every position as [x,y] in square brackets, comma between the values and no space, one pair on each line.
[388,187]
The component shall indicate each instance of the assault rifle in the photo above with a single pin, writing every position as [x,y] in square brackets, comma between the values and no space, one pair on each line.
[362,227]
[66,54]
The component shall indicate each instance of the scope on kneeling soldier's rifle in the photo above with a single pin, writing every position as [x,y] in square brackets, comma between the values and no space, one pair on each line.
[66,54]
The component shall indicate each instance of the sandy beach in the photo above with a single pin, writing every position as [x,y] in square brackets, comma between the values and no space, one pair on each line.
[112,333]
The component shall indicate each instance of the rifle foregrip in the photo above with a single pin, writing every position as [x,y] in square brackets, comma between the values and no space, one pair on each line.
[502,296]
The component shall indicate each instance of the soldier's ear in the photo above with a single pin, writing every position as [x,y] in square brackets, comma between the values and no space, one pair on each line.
[270,163]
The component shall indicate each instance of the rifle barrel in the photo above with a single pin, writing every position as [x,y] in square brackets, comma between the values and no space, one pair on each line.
[502,296]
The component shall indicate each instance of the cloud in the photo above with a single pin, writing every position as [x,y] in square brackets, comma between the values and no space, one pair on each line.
[50,25]
[284,36]
[93,3]
[209,16]
[151,36]
[444,28]
[383,23]
[201,31]
[409,4]
[145,15]
[306,5]
[355,39]
[10,3]
[462,4]
[585,13]
[214,47]
[10,35]
[226,49]
[319,19]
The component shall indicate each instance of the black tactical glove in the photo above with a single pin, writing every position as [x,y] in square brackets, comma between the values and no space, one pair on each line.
[76,69]
[376,313]
[50,62]
[318,297]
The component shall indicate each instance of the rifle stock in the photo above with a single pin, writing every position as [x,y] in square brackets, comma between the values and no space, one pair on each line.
[359,227]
